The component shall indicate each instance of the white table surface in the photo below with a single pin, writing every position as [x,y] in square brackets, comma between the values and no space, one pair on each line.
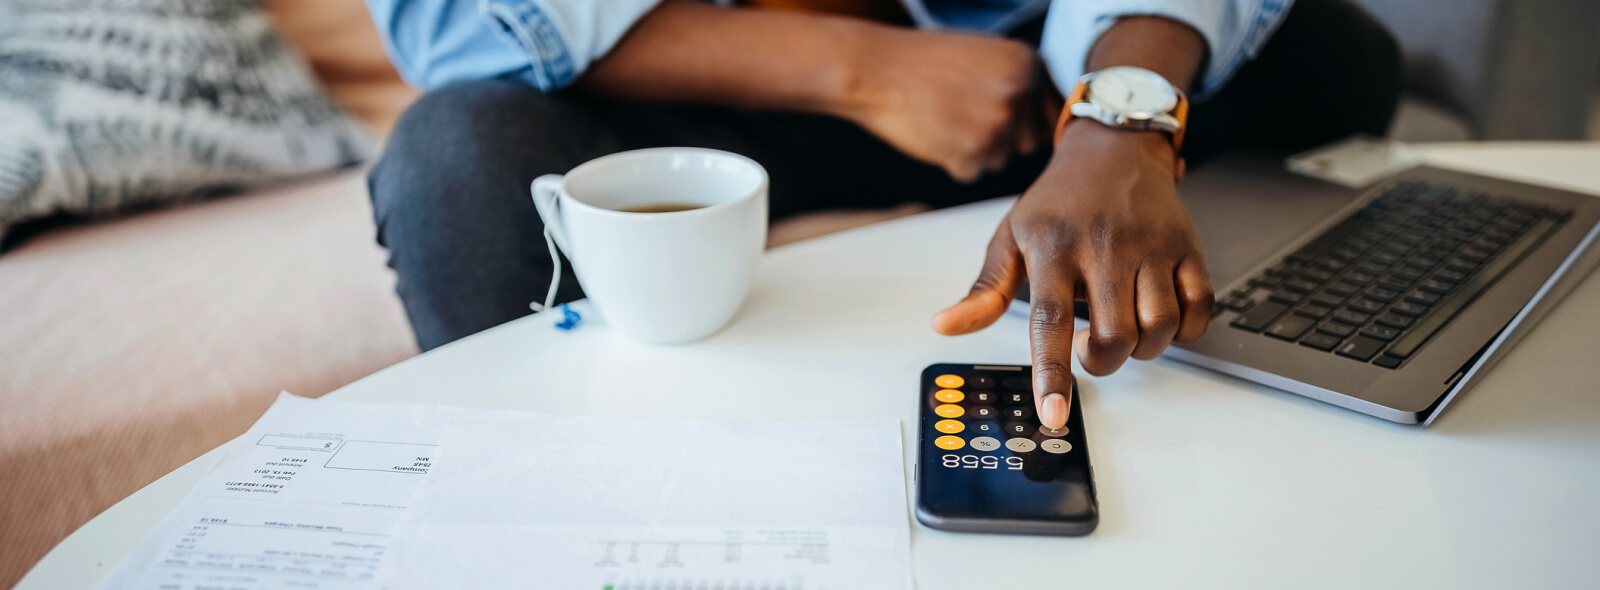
[1204,480]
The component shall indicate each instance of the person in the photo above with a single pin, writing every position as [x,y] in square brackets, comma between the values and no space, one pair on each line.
[849,107]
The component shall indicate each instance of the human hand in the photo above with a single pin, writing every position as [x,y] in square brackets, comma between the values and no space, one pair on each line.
[1102,224]
[962,102]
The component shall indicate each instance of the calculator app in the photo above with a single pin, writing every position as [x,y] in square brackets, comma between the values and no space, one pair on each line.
[983,453]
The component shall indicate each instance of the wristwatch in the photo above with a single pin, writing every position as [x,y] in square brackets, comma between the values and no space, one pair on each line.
[1127,97]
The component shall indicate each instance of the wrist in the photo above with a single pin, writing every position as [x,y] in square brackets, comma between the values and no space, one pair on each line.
[861,85]
[1092,140]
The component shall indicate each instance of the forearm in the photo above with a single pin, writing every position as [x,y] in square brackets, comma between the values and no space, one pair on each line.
[1161,45]
[688,52]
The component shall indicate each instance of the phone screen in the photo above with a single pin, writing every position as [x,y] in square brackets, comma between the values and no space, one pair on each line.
[985,464]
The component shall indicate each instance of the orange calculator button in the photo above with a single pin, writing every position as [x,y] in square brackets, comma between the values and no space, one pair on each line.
[949,396]
[949,426]
[949,411]
[949,381]
[949,443]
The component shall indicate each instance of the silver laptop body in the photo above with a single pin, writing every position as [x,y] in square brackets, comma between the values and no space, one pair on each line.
[1250,214]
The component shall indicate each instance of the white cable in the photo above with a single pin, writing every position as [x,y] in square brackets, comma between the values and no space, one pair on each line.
[555,279]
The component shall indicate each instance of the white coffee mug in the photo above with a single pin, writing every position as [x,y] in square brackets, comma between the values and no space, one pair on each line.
[660,277]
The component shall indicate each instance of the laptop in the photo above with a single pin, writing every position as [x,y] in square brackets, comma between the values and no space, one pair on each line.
[1391,300]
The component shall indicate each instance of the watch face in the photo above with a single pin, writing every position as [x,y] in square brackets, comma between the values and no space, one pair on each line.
[1132,91]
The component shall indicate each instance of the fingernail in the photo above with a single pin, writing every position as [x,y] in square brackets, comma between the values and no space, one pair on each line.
[1054,411]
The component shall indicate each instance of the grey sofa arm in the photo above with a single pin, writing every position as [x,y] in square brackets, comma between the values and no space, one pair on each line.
[1514,69]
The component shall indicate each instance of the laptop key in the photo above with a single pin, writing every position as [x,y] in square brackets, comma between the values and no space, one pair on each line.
[1383,333]
[1314,311]
[1409,308]
[1336,329]
[1340,290]
[1440,250]
[1345,316]
[1461,265]
[1282,271]
[1236,301]
[1287,297]
[1425,261]
[1395,283]
[1321,341]
[1386,361]
[1357,278]
[1327,299]
[1436,286]
[1382,294]
[1395,248]
[1396,320]
[1366,306]
[1317,276]
[1259,316]
[1407,274]
[1360,348]
[1424,298]
[1291,327]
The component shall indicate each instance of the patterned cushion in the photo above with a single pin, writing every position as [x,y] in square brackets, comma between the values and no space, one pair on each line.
[110,105]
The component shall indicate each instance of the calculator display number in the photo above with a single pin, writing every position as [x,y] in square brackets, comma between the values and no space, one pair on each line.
[983,462]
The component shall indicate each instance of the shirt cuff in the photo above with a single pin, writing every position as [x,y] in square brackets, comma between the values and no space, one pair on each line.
[1233,30]
[561,37]
[529,25]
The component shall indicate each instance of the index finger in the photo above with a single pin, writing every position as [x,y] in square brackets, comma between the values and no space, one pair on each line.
[1052,287]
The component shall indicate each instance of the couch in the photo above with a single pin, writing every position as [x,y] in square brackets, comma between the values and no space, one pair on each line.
[133,345]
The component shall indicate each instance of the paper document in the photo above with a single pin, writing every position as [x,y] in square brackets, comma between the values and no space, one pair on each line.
[307,499]
[1356,162]
[335,495]
[539,501]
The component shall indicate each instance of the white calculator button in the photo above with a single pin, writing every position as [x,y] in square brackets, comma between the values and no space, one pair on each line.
[1055,446]
[985,443]
[1021,445]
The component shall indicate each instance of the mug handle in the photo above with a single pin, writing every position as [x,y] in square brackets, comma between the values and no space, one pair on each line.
[546,198]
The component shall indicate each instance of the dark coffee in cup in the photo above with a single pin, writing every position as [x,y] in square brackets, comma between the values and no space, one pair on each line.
[663,208]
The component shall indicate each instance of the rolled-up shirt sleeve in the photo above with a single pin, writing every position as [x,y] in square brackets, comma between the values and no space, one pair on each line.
[1234,32]
[546,43]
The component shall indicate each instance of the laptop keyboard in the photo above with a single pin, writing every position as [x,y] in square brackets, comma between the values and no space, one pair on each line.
[1377,286]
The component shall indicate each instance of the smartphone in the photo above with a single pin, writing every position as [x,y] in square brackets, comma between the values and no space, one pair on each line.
[986,465]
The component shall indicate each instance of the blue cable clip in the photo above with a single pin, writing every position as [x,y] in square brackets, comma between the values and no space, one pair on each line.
[569,318]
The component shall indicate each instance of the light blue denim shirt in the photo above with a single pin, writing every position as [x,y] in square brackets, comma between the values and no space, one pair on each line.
[549,43]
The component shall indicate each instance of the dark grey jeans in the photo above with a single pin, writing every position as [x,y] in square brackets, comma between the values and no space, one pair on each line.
[451,191]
